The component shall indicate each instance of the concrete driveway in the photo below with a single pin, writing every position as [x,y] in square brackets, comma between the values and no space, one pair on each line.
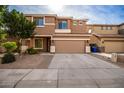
[66,70]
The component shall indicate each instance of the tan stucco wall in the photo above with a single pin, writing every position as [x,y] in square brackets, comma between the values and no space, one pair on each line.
[112,39]
[94,39]
[121,27]
[79,28]
[47,30]
[97,29]
[114,46]
[49,19]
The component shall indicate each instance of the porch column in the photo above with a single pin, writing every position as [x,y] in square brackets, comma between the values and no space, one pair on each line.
[52,47]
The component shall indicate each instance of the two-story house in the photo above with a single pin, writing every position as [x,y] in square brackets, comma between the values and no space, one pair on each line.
[58,34]
[61,34]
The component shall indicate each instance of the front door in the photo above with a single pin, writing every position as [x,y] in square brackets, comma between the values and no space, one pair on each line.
[48,44]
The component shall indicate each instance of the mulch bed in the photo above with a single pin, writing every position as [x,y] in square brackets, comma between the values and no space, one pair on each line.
[37,61]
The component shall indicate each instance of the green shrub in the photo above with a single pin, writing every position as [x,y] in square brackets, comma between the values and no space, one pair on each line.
[8,58]
[32,51]
[9,46]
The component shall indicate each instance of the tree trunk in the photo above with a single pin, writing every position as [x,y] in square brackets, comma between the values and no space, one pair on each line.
[19,43]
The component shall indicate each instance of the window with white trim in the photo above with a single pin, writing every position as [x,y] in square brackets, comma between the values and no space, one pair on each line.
[106,28]
[74,23]
[39,43]
[39,21]
[109,28]
[62,25]
[103,28]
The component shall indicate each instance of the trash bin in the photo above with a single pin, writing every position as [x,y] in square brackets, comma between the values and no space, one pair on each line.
[94,49]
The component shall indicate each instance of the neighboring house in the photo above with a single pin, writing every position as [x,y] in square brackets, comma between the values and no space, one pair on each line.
[109,43]
[103,28]
[67,35]
[121,29]
[58,34]
[107,37]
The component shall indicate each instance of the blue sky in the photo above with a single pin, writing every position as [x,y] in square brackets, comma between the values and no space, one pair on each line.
[104,14]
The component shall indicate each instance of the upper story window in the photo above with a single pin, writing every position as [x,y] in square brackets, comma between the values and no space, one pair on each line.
[110,28]
[62,25]
[103,28]
[75,23]
[106,28]
[40,21]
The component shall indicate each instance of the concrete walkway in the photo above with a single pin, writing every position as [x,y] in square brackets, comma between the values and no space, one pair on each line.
[66,70]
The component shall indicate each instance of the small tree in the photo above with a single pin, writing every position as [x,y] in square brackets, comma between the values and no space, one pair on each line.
[9,56]
[3,9]
[18,26]
[9,46]
[3,34]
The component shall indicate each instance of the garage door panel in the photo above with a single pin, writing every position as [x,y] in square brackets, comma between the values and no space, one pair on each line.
[114,46]
[69,46]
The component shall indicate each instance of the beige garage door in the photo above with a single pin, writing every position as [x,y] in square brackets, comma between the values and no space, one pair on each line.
[114,46]
[69,46]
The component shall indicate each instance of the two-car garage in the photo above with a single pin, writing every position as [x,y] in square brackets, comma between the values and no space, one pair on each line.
[70,43]
[69,46]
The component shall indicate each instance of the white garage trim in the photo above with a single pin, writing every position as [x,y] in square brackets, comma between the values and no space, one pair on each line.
[70,39]
[43,35]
